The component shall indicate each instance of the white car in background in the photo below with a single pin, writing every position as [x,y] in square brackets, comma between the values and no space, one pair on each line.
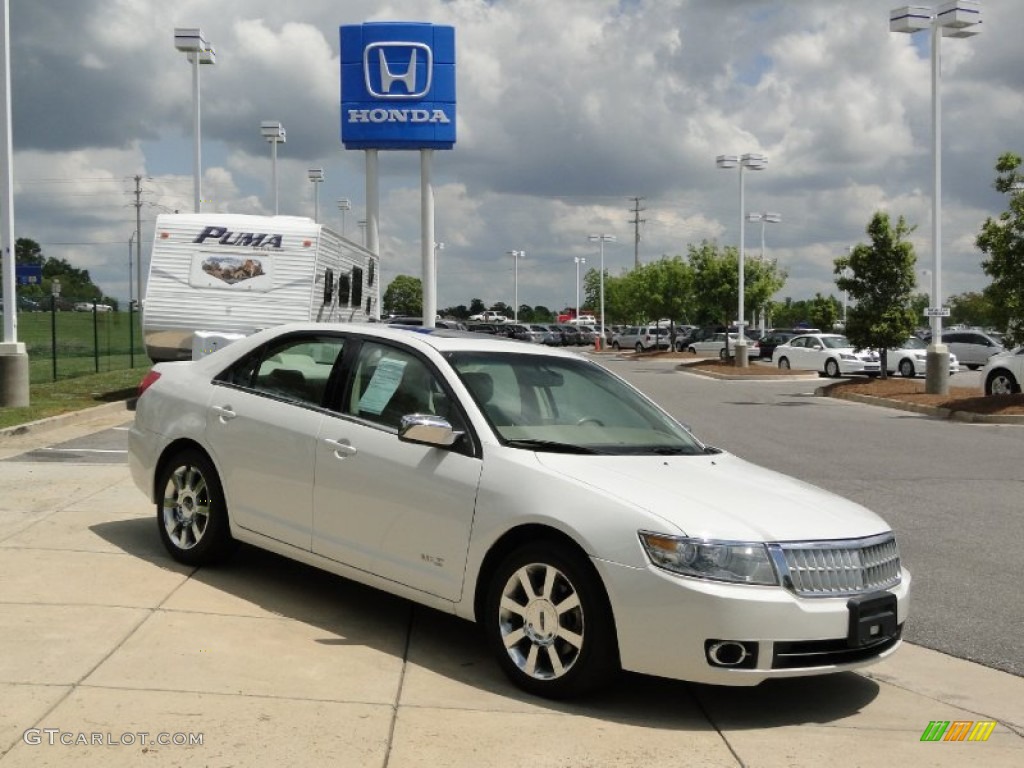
[831,354]
[1003,374]
[911,359]
[527,489]
[715,345]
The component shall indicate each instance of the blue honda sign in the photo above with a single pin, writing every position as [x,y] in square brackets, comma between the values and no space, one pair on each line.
[397,86]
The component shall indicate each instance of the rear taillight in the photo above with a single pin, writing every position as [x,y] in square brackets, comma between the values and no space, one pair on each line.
[148,380]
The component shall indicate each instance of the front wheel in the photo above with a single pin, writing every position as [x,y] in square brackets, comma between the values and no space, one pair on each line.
[191,514]
[721,354]
[784,363]
[907,369]
[615,346]
[547,620]
[832,369]
[1001,383]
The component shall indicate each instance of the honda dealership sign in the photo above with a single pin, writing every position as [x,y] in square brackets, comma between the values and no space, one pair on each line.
[397,86]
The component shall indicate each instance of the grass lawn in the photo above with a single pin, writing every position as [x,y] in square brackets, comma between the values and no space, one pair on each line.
[65,395]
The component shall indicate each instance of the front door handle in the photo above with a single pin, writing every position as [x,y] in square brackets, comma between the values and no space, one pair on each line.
[224,412]
[342,448]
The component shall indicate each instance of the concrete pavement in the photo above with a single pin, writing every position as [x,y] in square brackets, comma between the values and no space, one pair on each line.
[108,644]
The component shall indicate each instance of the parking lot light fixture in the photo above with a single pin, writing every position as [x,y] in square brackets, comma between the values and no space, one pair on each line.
[958,18]
[579,260]
[755,162]
[344,205]
[198,50]
[602,239]
[274,132]
[516,256]
[316,176]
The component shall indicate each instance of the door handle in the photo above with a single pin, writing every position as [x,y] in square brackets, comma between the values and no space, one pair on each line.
[224,412]
[342,448]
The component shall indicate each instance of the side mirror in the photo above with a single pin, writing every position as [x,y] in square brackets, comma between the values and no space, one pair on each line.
[427,429]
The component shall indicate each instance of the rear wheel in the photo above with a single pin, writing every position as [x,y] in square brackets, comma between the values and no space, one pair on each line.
[784,363]
[1001,383]
[615,346]
[639,347]
[721,354]
[832,368]
[692,350]
[547,620]
[191,514]
[907,368]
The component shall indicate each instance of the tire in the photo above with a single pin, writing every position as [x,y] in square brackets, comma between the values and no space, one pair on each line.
[556,638]
[906,368]
[832,368]
[191,514]
[721,354]
[639,347]
[973,366]
[692,350]
[784,363]
[1001,383]
[615,346]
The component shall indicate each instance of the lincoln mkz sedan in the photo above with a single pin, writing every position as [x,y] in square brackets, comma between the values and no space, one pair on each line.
[527,489]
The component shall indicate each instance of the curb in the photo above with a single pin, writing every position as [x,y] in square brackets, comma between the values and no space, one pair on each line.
[65,419]
[690,367]
[945,414]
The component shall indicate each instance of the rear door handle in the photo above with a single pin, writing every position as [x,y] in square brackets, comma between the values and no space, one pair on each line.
[224,412]
[342,448]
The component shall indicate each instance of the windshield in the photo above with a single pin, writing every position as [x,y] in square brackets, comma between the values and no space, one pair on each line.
[836,342]
[915,343]
[543,403]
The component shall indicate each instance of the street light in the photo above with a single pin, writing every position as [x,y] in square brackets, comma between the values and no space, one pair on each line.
[952,19]
[344,204]
[579,260]
[273,131]
[602,239]
[516,256]
[198,50]
[316,175]
[753,162]
[765,218]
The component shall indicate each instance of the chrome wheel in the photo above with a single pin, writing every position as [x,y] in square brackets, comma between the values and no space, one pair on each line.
[186,507]
[907,369]
[832,369]
[541,621]
[1001,383]
[191,514]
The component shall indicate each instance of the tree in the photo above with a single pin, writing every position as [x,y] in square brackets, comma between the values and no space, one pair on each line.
[664,288]
[881,282]
[971,308]
[1002,241]
[476,306]
[824,312]
[404,296]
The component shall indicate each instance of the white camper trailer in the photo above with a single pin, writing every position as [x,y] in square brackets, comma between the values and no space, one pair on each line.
[218,277]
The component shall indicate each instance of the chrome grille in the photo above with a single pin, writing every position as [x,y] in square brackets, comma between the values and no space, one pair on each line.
[837,568]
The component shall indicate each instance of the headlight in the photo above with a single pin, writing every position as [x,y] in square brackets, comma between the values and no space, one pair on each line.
[734,561]
[845,356]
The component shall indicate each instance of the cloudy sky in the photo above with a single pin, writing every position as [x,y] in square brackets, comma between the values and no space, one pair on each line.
[567,109]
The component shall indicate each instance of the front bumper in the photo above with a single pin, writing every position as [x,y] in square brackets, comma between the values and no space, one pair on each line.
[664,623]
[859,366]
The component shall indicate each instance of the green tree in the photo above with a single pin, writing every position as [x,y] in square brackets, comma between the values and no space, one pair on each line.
[971,308]
[823,312]
[664,289]
[476,306]
[1002,241]
[404,296]
[880,281]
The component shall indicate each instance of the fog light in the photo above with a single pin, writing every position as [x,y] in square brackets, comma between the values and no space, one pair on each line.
[731,654]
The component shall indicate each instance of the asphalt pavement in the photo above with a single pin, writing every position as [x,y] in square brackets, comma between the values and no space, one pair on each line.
[112,654]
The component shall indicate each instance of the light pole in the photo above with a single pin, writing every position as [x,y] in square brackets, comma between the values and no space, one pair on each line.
[344,205]
[316,175]
[952,19]
[764,217]
[579,260]
[516,256]
[438,247]
[198,50]
[274,132]
[602,239]
[754,162]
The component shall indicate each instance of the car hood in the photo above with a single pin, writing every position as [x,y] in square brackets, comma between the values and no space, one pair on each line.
[720,496]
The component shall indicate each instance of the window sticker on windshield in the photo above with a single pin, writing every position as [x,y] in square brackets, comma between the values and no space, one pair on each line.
[382,386]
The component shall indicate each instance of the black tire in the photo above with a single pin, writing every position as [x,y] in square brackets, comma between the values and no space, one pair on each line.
[907,368]
[191,514]
[615,346]
[784,363]
[692,350]
[721,354]
[561,653]
[1001,382]
[639,347]
[832,368]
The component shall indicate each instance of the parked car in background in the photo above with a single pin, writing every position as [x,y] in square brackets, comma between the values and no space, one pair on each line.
[583,528]
[490,328]
[766,344]
[571,335]
[973,348]
[490,316]
[828,353]
[716,346]
[541,334]
[1003,374]
[642,338]
[588,333]
[514,331]
[911,359]
[558,337]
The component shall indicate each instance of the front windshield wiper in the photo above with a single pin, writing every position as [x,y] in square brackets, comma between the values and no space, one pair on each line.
[551,446]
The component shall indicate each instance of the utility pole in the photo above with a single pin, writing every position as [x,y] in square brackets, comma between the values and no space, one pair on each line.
[138,242]
[636,221]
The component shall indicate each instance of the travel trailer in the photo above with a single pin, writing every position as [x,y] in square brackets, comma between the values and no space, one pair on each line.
[214,278]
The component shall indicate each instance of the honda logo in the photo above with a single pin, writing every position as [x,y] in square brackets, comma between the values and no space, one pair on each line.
[403,70]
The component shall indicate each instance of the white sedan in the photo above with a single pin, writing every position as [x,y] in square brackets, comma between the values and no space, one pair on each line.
[911,359]
[827,353]
[1003,374]
[527,489]
[715,345]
